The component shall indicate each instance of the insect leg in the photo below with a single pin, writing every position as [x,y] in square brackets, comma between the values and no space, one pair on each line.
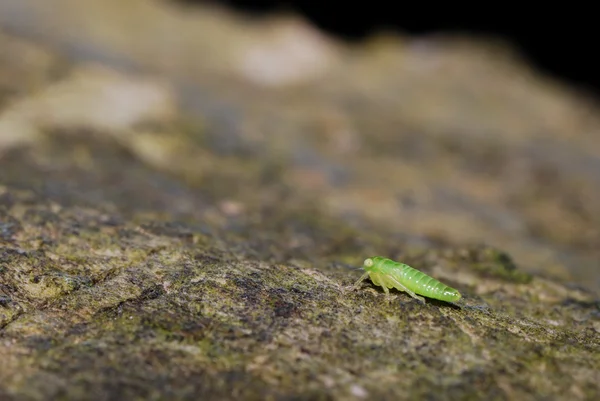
[399,285]
[361,279]
[387,293]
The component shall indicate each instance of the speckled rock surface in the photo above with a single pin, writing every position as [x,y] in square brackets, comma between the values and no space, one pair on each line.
[184,224]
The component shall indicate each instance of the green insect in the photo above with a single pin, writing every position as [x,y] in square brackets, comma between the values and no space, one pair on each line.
[389,274]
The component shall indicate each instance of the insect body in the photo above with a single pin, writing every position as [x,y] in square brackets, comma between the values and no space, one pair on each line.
[389,274]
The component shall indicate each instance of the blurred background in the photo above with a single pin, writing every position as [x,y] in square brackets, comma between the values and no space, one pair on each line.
[557,40]
[314,132]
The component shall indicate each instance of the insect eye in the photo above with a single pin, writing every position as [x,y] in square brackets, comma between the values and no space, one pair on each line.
[368,262]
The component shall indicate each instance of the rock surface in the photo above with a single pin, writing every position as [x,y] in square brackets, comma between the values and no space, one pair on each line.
[181,220]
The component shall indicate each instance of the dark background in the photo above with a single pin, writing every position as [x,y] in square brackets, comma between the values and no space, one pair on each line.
[560,40]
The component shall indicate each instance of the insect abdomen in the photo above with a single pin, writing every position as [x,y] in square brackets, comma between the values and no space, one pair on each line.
[422,284]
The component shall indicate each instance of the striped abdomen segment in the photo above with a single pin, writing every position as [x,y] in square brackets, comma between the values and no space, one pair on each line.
[422,284]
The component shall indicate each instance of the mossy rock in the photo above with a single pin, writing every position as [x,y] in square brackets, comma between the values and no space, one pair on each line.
[155,252]
[156,314]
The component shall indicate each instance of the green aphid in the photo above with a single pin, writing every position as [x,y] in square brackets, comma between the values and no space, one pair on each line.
[389,274]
